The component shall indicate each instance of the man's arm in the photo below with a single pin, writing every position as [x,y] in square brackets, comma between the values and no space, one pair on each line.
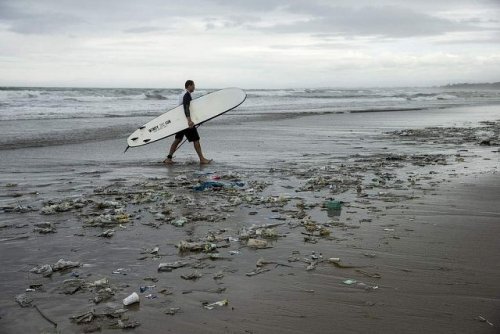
[186,102]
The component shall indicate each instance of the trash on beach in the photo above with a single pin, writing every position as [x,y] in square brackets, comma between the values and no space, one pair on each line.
[103,294]
[216,185]
[257,243]
[257,271]
[213,185]
[312,266]
[24,300]
[44,228]
[192,276]
[361,285]
[143,289]
[372,275]
[63,264]
[169,266]
[219,303]
[196,246]
[107,234]
[127,324]
[218,275]
[334,259]
[267,233]
[155,250]
[45,270]
[70,286]
[333,205]
[54,208]
[483,319]
[172,310]
[180,222]
[131,299]
[120,271]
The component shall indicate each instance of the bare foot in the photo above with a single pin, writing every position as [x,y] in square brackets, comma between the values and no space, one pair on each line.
[168,161]
[205,161]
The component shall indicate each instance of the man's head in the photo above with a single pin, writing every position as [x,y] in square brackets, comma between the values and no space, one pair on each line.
[189,85]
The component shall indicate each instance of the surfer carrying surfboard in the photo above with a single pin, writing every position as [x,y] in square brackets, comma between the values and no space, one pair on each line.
[191,133]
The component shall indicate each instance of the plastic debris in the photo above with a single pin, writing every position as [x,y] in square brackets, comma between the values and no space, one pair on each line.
[333,205]
[24,300]
[209,185]
[131,299]
[483,319]
[120,271]
[107,234]
[172,310]
[192,276]
[169,266]
[350,281]
[70,286]
[218,275]
[143,289]
[45,270]
[180,222]
[196,246]
[44,228]
[63,264]
[219,303]
[257,271]
[257,243]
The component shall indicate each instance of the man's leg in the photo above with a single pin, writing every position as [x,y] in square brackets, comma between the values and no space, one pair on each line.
[173,147]
[197,148]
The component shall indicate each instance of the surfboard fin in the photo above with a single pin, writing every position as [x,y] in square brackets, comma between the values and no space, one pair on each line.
[126,149]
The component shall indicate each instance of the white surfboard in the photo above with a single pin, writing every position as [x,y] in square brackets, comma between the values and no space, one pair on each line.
[202,109]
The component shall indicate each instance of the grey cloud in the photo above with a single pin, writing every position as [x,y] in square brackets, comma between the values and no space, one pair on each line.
[387,21]
[35,21]
[143,29]
[324,46]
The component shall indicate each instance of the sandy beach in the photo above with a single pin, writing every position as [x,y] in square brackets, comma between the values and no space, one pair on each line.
[252,243]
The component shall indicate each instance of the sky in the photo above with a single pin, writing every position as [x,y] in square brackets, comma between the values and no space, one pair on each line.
[249,44]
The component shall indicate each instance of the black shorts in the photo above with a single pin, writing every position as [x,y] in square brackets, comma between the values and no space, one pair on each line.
[190,133]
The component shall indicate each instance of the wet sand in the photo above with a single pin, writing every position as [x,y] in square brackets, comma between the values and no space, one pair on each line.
[416,235]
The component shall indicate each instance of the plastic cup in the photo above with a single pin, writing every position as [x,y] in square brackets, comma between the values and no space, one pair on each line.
[333,205]
[133,298]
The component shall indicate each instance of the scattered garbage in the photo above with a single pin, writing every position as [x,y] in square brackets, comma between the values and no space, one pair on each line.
[45,270]
[63,264]
[70,286]
[196,246]
[257,243]
[169,266]
[192,276]
[131,299]
[483,319]
[219,303]
[107,234]
[24,300]
[360,285]
[44,228]
[180,222]
[172,310]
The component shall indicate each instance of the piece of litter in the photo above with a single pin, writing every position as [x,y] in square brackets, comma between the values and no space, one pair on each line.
[211,306]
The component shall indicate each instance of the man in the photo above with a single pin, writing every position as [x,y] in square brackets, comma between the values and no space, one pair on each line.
[191,133]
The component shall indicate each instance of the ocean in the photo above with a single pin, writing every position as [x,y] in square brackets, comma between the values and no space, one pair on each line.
[40,116]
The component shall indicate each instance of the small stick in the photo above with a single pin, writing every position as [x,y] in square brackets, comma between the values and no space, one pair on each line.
[45,317]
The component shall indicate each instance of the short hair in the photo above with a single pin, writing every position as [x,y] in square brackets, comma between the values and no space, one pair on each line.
[188,83]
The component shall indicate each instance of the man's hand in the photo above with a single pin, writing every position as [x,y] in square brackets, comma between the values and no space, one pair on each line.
[190,122]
